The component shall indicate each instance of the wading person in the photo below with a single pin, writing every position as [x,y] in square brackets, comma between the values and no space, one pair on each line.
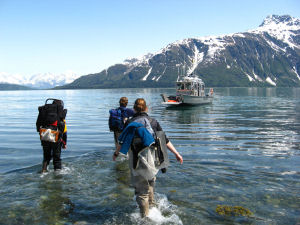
[139,138]
[52,127]
[118,117]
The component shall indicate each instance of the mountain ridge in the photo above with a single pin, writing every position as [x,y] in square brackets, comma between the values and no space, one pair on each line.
[266,56]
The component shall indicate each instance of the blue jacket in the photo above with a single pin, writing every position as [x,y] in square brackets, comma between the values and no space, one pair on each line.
[128,133]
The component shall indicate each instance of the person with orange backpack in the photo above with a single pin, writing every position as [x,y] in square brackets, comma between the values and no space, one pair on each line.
[52,128]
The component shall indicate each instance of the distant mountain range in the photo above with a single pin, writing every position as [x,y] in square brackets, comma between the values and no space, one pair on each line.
[6,86]
[266,56]
[37,81]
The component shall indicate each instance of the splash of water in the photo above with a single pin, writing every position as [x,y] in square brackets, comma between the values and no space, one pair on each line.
[164,213]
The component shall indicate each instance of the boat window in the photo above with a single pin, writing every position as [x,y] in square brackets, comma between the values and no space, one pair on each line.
[180,86]
[188,86]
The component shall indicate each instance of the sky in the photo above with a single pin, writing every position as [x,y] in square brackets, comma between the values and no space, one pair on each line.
[88,36]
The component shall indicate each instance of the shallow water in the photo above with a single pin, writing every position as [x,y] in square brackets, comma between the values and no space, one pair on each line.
[243,150]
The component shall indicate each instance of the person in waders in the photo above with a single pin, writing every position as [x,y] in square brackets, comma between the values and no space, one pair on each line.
[138,138]
[52,128]
[118,118]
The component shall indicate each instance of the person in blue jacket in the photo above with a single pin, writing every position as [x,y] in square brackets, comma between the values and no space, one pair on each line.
[126,113]
[144,189]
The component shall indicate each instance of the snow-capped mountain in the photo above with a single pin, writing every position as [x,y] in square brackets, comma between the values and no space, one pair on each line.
[266,56]
[11,78]
[283,28]
[40,81]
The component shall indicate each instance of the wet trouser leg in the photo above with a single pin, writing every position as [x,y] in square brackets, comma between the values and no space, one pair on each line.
[56,156]
[52,150]
[116,136]
[47,155]
[144,191]
[151,193]
[44,167]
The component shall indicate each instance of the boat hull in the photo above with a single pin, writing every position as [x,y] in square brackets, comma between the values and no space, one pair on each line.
[196,100]
[186,100]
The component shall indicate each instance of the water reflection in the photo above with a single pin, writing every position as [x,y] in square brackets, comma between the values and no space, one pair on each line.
[259,92]
[187,114]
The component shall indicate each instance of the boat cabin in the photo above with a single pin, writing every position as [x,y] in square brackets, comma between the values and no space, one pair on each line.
[192,86]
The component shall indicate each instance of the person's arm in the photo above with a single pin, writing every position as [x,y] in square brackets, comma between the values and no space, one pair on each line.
[174,151]
[117,152]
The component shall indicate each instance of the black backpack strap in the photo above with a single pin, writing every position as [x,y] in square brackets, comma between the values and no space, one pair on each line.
[122,112]
[40,119]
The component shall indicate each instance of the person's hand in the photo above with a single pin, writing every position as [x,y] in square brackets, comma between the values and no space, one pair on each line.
[179,158]
[64,146]
[174,151]
[117,152]
[115,155]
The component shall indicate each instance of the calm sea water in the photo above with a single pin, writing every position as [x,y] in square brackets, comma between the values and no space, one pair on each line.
[242,150]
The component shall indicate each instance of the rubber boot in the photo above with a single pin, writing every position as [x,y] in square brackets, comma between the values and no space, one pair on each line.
[44,167]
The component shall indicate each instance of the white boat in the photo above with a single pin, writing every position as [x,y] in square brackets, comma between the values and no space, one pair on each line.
[190,90]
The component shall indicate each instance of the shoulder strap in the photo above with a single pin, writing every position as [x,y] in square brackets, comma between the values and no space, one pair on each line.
[122,111]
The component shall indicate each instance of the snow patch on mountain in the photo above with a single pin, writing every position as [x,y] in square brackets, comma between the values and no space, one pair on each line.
[146,76]
[133,62]
[238,35]
[295,71]
[270,81]
[250,78]
[198,57]
[215,43]
[274,46]
[256,76]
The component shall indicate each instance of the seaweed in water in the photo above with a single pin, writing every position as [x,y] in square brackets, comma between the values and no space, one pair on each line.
[226,210]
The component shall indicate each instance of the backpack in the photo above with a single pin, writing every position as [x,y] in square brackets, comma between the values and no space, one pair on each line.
[159,155]
[51,115]
[116,120]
